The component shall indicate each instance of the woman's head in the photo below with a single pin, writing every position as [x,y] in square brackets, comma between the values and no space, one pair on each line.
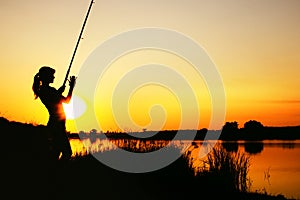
[44,76]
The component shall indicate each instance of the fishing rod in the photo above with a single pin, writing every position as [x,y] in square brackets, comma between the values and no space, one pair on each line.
[79,38]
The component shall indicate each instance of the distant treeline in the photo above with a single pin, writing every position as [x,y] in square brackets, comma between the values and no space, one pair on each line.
[252,130]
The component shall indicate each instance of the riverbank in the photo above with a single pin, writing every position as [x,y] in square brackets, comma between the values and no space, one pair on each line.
[29,173]
[87,178]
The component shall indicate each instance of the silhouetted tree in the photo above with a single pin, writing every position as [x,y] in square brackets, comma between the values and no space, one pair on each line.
[253,130]
[92,135]
[230,131]
[93,132]
[253,125]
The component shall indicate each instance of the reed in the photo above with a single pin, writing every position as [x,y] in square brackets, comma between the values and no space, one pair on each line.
[227,169]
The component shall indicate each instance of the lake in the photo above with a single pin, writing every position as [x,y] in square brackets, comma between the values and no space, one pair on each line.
[274,164]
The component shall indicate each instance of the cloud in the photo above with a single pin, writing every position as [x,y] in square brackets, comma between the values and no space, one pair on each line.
[282,101]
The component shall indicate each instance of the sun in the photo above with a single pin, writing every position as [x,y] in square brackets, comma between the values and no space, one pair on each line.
[75,108]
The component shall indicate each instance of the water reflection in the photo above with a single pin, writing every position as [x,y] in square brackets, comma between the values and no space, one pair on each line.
[231,146]
[277,160]
[92,145]
[88,146]
[254,147]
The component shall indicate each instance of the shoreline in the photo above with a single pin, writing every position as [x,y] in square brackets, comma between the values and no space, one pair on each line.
[30,173]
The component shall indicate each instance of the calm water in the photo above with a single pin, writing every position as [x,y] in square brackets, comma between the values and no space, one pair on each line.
[274,164]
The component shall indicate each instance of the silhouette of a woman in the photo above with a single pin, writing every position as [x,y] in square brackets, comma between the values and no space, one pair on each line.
[53,99]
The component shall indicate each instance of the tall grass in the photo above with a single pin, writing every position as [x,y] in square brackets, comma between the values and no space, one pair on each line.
[228,170]
[220,168]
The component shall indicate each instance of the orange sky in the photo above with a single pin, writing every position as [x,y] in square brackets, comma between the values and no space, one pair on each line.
[254,44]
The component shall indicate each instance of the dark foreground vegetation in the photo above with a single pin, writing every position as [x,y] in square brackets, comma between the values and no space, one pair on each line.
[28,172]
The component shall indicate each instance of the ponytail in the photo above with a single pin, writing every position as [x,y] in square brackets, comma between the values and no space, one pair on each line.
[36,85]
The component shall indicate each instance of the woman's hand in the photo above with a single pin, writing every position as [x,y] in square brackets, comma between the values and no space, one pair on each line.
[72,81]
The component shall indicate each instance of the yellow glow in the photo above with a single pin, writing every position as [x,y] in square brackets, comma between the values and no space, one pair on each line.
[151,106]
[255,48]
[75,108]
[154,108]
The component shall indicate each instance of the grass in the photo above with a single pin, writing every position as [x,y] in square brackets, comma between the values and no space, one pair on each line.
[228,167]
[84,177]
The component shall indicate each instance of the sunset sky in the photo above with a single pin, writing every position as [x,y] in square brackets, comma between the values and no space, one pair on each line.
[254,44]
